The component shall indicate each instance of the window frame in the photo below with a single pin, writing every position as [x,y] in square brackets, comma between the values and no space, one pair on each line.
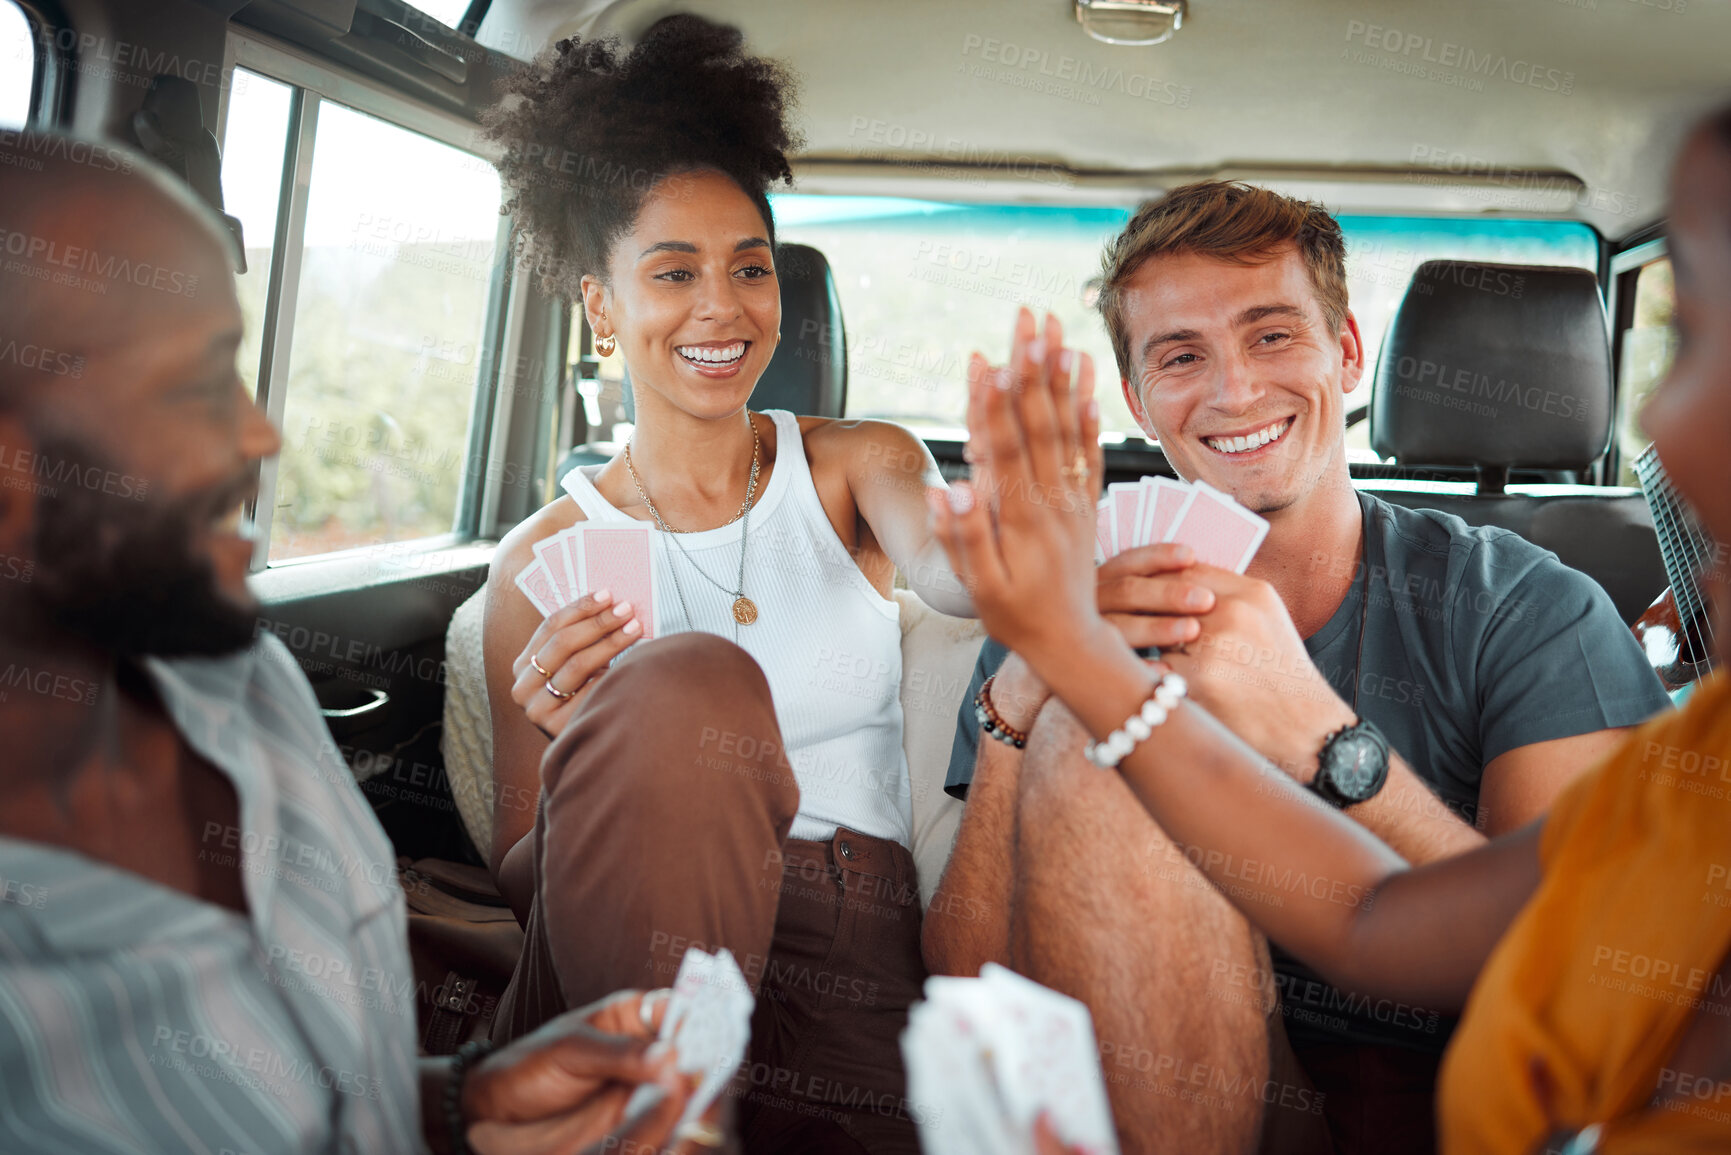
[1623,270]
[311,82]
[52,64]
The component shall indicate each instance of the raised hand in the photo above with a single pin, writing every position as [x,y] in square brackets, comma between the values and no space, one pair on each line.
[1021,535]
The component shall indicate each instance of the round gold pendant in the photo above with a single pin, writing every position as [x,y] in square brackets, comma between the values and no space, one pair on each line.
[744,610]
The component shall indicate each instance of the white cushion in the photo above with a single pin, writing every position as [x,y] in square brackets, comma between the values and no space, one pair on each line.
[467,741]
[938,654]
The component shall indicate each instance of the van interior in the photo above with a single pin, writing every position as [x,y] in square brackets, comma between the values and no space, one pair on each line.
[1499,172]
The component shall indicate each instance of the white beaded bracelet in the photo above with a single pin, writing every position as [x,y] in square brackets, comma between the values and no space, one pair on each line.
[1116,746]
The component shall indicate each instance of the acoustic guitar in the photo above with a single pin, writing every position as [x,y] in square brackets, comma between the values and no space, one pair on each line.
[1677,629]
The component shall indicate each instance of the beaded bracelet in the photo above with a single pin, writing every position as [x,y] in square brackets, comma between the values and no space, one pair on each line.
[990,721]
[468,1056]
[1116,746]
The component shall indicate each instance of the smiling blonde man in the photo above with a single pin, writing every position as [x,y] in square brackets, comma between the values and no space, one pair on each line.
[1440,683]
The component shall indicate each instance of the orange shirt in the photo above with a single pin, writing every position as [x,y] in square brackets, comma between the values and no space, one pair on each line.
[1603,969]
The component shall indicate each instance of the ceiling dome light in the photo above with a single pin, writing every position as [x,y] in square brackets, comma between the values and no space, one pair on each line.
[1133,22]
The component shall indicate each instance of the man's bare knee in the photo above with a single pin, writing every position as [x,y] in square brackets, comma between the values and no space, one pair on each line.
[1055,744]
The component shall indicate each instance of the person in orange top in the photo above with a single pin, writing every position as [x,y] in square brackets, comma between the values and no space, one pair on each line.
[1588,949]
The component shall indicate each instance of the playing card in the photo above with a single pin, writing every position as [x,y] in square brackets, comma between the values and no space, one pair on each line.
[985,1057]
[953,1095]
[708,1021]
[537,585]
[1160,508]
[617,557]
[1221,531]
[571,544]
[550,552]
[1104,547]
[1126,499]
[1046,1059]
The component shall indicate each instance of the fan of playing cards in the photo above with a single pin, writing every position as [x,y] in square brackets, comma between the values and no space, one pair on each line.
[986,1056]
[614,556]
[1157,509]
[708,1021]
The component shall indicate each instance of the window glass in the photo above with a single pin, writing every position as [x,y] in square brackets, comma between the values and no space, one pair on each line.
[923,283]
[1649,344]
[255,140]
[18,72]
[446,12]
[399,258]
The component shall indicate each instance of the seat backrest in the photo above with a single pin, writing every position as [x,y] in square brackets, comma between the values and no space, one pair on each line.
[170,128]
[808,374]
[938,654]
[1496,366]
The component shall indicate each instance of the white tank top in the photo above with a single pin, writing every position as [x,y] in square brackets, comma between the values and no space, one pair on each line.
[829,644]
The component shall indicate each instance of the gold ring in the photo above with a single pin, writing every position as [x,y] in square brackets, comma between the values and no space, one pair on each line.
[1076,473]
[559,694]
[701,1133]
[539,669]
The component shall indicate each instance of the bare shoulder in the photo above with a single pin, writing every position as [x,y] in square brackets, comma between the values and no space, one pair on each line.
[855,442]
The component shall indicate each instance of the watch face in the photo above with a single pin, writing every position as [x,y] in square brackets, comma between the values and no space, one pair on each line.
[1356,765]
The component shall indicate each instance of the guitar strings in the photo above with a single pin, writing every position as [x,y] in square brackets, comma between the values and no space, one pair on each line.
[1684,547]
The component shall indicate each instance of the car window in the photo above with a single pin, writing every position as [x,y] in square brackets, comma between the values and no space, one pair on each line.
[446,12]
[18,51]
[252,159]
[1649,344]
[924,282]
[398,260]
[378,342]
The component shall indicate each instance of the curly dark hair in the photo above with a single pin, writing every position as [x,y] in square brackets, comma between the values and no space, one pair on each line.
[589,129]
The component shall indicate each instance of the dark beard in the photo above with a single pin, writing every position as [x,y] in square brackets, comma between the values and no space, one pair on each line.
[119,571]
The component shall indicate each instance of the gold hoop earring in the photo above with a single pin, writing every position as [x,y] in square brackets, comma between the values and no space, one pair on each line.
[605,346]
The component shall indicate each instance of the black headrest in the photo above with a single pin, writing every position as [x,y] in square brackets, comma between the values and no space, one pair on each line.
[170,127]
[808,374]
[1495,366]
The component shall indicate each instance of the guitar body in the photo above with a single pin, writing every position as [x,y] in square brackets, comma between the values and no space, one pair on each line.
[1670,648]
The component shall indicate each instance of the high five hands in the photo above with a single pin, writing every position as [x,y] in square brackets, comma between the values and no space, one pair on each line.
[1022,537]
[1021,533]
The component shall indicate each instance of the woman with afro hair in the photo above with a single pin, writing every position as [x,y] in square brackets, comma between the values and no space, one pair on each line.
[737,780]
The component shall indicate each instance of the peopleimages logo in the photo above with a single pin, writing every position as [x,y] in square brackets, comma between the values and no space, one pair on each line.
[1415,50]
[61,263]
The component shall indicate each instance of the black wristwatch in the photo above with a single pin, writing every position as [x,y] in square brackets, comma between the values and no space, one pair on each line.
[1352,767]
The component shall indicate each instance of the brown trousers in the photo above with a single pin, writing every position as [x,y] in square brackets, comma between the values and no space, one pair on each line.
[665,808]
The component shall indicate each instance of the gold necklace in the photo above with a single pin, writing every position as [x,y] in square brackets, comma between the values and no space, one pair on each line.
[744,609]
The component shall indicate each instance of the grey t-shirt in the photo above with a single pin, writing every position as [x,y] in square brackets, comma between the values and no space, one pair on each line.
[1475,642]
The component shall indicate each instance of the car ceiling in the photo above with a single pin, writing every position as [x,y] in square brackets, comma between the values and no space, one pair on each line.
[1364,106]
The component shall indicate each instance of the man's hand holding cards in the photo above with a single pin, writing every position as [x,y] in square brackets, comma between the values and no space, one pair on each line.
[1230,636]
[1149,533]
[594,585]
[708,1025]
[986,1057]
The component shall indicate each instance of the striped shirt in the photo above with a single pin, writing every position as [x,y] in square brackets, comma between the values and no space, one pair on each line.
[136,1018]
